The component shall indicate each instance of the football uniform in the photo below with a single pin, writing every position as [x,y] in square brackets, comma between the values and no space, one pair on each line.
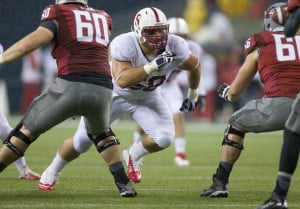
[84,82]
[278,67]
[143,102]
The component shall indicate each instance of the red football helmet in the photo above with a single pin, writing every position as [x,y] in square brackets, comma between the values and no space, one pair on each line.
[268,23]
[151,28]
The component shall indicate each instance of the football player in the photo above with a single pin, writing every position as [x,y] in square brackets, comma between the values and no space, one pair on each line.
[291,136]
[79,37]
[277,67]
[172,92]
[141,61]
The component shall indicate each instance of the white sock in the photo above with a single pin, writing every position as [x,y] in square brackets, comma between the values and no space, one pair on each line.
[136,137]
[179,145]
[137,151]
[20,163]
[57,164]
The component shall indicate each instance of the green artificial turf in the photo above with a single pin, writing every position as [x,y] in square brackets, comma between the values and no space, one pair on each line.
[87,183]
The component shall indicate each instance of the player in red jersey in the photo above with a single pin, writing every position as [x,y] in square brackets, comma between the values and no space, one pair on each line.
[290,149]
[275,58]
[79,37]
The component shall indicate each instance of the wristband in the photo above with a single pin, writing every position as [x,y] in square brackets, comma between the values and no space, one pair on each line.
[192,94]
[150,67]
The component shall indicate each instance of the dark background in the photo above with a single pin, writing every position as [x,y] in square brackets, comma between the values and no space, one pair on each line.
[20,17]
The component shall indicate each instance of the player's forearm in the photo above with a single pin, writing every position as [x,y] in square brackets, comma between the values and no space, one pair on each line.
[130,77]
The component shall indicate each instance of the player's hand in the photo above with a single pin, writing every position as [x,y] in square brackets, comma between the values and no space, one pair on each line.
[160,61]
[223,91]
[188,105]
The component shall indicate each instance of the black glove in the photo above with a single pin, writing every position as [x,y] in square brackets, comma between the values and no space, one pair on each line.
[223,91]
[159,62]
[164,58]
[188,105]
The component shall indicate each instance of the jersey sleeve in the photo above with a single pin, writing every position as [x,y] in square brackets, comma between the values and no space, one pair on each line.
[122,48]
[179,46]
[253,42]
[49,13]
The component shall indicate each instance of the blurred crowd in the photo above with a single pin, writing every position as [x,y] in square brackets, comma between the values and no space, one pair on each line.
[212,25]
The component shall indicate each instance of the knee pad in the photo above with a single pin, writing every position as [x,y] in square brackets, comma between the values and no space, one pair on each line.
[82,143]
[164,142]
[231,130]
[105,145]
[17,133]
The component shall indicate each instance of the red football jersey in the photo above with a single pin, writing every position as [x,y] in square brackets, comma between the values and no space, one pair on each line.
[82,39]
[278,62]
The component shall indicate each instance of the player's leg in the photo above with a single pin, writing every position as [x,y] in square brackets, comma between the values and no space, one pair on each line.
[288,159]
[155,119]
[256,116]
[180,140]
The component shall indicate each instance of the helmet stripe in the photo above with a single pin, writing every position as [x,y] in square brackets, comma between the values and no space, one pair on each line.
[155,13]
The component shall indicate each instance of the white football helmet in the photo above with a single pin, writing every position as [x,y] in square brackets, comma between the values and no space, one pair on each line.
[268,22]
[85,2]
[178,26]
[151,28]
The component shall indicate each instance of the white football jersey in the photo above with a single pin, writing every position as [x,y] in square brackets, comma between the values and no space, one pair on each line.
[125,47]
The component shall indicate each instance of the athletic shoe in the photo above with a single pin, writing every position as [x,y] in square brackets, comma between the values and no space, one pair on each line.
[180,160]
[274,202]
[218,189]
[48,180]
[126,190]
[27,174]
[133,167]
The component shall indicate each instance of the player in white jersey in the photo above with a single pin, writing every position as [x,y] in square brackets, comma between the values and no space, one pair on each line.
[141,61]
[172,92]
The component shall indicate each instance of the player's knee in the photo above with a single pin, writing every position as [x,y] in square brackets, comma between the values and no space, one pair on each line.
[16,132]
[231,130]
[81,144]
[105,140]
[164,142]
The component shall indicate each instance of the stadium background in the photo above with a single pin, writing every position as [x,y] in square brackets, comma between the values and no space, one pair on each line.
[19,17]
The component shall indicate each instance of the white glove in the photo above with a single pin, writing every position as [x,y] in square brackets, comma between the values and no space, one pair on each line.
[159,62]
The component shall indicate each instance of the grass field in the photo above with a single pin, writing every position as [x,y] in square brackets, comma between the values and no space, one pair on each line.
[87,183]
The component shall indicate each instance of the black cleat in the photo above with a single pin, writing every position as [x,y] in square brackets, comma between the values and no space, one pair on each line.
[217,189]
[126,190]
[274,202]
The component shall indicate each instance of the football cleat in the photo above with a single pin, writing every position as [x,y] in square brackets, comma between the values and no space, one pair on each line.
[126,190]
[274,202]
[27,174]
[180,160]
[218,189]
[48,180]
[133,167]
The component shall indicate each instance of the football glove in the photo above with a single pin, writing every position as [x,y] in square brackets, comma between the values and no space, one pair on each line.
[223,91]
[188,105]
[159,62]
